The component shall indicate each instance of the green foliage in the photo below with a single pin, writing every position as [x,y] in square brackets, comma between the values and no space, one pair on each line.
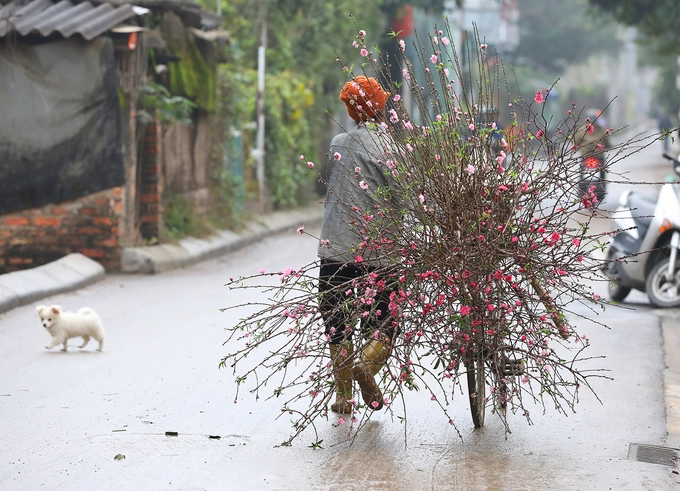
[304,37]
[171,108]
[180,220]
[435,6]
[237,93]
[191,76]
[665,93]
[554,33]
[654,19]
[288,134]
[658,25]
[225,213]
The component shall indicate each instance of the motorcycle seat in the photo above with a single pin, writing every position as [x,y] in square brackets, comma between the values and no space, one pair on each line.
[642,208]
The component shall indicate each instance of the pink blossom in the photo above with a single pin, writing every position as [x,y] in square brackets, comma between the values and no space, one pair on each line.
[591,129]
[402,45]
[538,99]
[445,40]
[310,165]
[433,58]
[375,404]
[337,156]
[483,46]
[364,52]
[301,229]
[262,270]
[464,310]
[397,98]
[358,259]
[357,169]
[472,127]
[324,243]
[362,33]
[470,169]
[446,72]
[514,239]
[363,185]
[406,74]
[302,157]
[393,116]
[341,421]
[539,133]
[576,241]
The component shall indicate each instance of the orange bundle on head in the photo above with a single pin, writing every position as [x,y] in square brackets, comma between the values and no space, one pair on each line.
[364,98]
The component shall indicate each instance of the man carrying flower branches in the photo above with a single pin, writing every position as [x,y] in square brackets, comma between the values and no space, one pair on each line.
[358,184]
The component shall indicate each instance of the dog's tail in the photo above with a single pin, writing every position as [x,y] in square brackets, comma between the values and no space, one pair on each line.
[86,311]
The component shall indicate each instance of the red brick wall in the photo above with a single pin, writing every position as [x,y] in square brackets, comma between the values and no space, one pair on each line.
[151,184]
[89,225]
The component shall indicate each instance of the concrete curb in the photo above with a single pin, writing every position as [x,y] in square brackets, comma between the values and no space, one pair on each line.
[671,374]
[76,271]
[165,257]
[68,273]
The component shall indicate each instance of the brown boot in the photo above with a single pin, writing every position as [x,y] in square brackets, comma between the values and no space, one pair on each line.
[373,356]
[342,374]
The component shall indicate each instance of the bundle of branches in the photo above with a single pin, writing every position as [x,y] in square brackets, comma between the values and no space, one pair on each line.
[481,243]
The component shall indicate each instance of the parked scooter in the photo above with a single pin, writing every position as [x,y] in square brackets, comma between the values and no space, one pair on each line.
[644,253]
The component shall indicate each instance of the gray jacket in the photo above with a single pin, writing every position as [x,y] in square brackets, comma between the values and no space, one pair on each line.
[361,149]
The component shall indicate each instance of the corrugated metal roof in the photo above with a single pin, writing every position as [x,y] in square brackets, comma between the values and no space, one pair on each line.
[45,17]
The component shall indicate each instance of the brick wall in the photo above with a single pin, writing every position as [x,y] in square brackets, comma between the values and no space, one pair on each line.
[151,184]
[89,225]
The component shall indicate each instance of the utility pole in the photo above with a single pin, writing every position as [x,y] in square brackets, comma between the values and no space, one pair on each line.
[259,151]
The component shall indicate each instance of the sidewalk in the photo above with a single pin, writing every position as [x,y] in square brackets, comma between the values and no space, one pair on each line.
[77,271]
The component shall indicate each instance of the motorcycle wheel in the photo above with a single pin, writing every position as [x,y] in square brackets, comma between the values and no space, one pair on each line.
[662,290]
[617,292]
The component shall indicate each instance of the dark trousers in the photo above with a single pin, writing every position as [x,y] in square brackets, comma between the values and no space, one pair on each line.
[335,279]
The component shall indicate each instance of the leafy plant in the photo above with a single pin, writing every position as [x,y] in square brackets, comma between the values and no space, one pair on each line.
[171,108]
[180,220]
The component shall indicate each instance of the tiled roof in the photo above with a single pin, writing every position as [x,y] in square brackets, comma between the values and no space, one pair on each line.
[45,17]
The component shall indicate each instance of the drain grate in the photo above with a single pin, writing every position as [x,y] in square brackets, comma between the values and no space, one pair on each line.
[653,454]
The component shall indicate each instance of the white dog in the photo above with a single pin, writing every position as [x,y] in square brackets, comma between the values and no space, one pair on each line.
[63,326]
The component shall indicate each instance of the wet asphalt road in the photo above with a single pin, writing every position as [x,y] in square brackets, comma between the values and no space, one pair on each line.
[65,416]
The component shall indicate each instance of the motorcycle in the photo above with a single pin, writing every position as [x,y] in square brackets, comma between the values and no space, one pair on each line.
[643,254]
